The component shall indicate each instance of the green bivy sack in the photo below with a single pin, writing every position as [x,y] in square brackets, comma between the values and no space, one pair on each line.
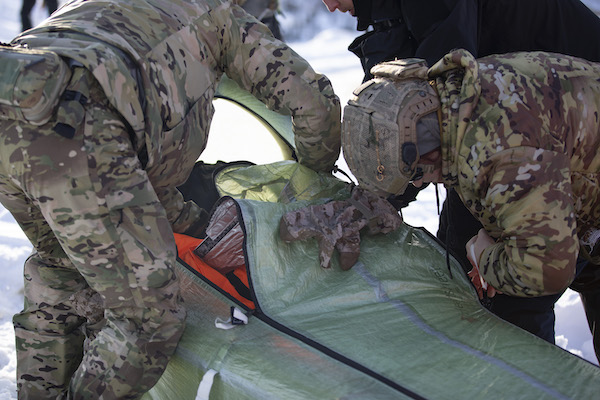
[401,324]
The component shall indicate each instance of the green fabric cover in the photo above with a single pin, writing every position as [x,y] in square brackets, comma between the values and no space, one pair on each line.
[395,326]
[406,327]
[284,182]
[278,125]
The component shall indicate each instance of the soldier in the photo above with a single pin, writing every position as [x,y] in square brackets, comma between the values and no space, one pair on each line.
[92,180]
[428,29]
[515,135]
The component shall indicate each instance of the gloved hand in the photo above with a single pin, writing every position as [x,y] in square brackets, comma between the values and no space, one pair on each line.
[403,200]
[337,225]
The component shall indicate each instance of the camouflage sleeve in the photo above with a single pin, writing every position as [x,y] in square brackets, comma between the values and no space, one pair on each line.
[527,195]
[184,216]
[286,83]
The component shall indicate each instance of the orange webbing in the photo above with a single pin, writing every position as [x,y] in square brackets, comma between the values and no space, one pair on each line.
[185,248]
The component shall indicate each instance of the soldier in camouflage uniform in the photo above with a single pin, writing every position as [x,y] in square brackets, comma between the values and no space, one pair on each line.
[517,137]
[428,29]
[94,188]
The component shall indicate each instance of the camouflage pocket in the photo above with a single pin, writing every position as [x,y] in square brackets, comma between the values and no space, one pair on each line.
[31,83]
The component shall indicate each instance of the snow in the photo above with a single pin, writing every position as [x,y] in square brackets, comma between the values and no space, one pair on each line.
[321,38]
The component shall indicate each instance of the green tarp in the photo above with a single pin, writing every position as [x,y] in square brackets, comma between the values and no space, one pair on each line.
[399,324]
[279,126]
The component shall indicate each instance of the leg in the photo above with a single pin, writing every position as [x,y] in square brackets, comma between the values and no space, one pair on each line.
[587,283]
[52,5]
[49,338]
[535,314]
[49,334]
[101,207]
[591,304]
[123,245]
[25,12]
[457,226]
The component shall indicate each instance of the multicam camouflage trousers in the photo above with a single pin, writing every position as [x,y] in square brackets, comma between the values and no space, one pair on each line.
[97,227]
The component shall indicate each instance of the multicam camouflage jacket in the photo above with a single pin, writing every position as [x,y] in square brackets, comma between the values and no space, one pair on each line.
[159,63]
[520,139]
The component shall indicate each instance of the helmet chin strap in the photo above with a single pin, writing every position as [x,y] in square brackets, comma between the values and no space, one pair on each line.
[426,168]
[422,169]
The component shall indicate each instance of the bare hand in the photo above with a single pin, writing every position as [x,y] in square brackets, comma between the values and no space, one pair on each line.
[474,248]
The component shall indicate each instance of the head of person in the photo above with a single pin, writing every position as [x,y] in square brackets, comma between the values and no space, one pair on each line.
[341,5]
[391,131]
[367,12]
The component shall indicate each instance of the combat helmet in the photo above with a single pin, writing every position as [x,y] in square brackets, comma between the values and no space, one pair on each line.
[379,131]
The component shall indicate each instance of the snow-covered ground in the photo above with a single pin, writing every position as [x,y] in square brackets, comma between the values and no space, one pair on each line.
[327,52]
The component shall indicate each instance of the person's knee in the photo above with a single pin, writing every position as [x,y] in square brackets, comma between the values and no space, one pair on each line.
[167,319]
[160,318]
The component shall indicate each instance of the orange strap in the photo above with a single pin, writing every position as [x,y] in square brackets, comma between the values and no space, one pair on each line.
[185,248]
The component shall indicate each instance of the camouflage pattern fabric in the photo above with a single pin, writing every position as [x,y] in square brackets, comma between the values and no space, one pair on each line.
[520,139]
[181,50]
[265,11]
[95,191]
[31,80]
[337,224]
[97,226]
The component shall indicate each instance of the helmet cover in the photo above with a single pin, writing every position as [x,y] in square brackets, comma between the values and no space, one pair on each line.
[379,138]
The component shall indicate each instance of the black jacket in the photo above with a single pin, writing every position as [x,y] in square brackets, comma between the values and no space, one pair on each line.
[430,28]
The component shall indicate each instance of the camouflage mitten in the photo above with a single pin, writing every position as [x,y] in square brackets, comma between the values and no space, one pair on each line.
[337,225]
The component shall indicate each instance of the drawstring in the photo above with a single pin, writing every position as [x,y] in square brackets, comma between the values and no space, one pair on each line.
[437,199]
[337,169]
